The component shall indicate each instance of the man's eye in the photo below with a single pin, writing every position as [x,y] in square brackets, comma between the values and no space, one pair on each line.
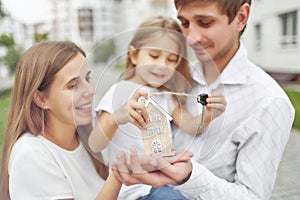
[184,24]
[204,23]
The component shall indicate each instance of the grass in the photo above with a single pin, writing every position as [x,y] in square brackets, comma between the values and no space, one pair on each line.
[294,96]
[4,106]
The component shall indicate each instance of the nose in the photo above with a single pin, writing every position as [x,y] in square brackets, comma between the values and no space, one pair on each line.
[162,62]
[89,90]
[193,34]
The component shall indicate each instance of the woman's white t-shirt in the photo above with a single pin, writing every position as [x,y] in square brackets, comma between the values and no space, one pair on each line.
[39,169]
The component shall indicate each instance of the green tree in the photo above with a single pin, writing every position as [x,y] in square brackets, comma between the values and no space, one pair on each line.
[13,52]
[2,13]
[7,41]
[104,50]
[39,37]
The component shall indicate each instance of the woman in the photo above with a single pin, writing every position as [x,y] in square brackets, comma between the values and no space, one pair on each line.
[43,157]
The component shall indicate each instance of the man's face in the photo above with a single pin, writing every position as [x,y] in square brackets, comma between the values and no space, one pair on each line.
[208,32]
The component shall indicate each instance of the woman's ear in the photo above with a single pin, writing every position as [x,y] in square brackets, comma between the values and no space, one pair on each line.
[243,16]
[39,99]
[132,53]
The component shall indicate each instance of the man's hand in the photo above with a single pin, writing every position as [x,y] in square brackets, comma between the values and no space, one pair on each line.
[168,171]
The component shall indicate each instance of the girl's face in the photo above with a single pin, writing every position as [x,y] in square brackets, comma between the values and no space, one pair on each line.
[155,62]
[69,98]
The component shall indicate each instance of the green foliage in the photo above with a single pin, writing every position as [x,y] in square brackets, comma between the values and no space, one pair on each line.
[39,37]
[4,107]
[13,53]
[103,51]
[294,96]
[12,57]
[7,41]
[2,13]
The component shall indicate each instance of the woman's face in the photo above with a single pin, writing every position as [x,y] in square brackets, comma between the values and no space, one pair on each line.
[69,98]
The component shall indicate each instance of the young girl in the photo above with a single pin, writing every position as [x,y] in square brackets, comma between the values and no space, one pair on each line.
[43,157]
[156,62]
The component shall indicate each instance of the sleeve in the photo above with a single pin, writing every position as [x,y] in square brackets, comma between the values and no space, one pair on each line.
[34,174]
[266,134]
[106,102]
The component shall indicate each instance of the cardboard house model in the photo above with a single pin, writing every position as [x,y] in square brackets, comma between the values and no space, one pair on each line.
[156,137]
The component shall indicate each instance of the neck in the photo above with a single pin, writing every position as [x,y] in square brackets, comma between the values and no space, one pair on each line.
[213,68]
[62,135]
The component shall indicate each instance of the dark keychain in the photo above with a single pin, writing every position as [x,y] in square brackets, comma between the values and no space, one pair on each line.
[201,98]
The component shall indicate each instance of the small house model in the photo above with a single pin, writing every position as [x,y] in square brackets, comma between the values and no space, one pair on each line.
[156,137]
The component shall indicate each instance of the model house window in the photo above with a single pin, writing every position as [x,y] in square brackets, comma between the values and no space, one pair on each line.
[289,33]
[258,38]
[85,23]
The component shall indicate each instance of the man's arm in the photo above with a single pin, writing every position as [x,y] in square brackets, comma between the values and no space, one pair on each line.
[258,158]
[256,166]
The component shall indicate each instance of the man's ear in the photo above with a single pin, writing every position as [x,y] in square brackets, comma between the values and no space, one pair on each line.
[243,16]
[132,52]
[39,99]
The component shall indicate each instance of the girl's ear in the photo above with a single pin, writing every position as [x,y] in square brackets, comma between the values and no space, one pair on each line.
[39,99]
[132,53]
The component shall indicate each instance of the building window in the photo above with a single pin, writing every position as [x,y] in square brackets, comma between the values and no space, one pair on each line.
[85,19]
[258,38]
[289,31]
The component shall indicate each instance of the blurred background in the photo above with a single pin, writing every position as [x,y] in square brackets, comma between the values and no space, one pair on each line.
[272,38]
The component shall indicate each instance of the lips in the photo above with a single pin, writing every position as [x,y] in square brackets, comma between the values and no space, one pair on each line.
[84,108]
[158,75]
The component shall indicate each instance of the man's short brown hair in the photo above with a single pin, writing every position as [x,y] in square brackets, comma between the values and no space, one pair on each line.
[229,7]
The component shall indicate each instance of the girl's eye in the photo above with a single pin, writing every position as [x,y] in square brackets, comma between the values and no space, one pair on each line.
[173,60]
[153,55]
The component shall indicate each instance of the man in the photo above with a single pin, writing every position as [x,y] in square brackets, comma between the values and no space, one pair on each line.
[238,155]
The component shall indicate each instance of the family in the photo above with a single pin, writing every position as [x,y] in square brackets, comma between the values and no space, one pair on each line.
[233,154]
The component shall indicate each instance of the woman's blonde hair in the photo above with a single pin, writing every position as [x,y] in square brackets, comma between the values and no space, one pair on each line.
[36,70]
[154,28]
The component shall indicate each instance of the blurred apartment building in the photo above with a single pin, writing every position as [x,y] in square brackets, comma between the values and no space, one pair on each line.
[87,22]
[272,37]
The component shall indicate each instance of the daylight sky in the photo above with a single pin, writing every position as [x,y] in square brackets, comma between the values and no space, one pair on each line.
[26,11]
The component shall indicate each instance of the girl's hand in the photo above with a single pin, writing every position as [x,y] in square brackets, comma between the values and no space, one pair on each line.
[216,105]
[133,111]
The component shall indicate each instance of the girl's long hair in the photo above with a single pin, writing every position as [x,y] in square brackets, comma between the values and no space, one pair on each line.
[36,70]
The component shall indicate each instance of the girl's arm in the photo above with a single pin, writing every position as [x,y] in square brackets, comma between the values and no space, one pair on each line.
[110,189]
[187,122]
[190,124]
[107,123]
[103,132]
